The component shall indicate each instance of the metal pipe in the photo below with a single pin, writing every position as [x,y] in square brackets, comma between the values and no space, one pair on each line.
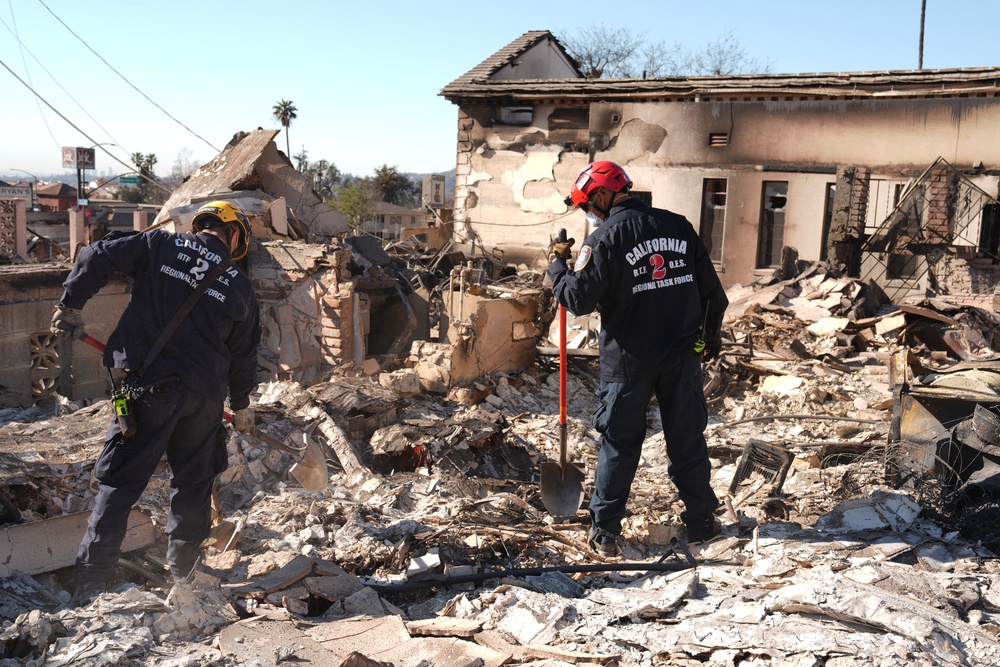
[431,582]
[826,417]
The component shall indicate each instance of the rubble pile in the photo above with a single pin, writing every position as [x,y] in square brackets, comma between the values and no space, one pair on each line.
[429,544]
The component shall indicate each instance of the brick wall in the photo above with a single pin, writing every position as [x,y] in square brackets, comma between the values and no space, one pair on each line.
[960,272]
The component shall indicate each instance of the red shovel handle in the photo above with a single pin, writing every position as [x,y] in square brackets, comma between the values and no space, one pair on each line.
[562,365]
[93,342]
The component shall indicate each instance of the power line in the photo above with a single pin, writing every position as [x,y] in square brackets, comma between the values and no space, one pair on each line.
[126,80]
[73,125]
[514,225]
[28,73]
[24,48]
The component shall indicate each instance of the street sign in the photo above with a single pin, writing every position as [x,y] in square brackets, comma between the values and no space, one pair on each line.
[78,158]
[13,192]
[85,158]
[433,191]
[129,180]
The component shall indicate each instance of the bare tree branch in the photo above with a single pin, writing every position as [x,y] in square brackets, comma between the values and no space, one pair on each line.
[723,56]
[604,52]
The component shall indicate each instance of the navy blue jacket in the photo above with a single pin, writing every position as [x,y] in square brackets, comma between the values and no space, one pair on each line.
[649,274]
[214,350]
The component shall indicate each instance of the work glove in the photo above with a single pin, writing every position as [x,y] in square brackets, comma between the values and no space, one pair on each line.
[561,248]
[713,346]
[244,421]
[67,322]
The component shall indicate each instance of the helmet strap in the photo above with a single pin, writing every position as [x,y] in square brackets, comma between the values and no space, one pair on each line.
[232,239]
[602,212]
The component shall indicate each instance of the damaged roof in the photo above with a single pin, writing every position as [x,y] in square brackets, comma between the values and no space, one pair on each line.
[251,161]
[479,82]
[508,56]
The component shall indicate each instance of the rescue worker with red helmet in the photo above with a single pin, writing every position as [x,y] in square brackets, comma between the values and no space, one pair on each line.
[648,273]
[176,385]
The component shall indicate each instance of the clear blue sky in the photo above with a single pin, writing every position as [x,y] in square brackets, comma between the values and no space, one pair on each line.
[365,76]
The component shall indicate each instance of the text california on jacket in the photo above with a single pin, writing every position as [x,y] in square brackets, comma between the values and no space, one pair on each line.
[214,350]
[649,274]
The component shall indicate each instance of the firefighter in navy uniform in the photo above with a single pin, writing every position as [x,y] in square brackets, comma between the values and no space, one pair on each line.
[177,400]
[649,274]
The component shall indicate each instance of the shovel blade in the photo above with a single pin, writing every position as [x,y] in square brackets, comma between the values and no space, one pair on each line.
[561,488]
[310,470]
[310,463]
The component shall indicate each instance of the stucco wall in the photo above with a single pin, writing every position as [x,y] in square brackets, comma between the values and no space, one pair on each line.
[514,178]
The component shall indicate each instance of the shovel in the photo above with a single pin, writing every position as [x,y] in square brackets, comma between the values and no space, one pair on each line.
[562,483]
[310,463]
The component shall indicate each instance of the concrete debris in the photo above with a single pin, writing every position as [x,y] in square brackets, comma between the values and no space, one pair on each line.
[868,538]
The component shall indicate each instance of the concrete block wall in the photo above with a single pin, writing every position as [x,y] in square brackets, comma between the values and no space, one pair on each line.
[32,356]
[310,315]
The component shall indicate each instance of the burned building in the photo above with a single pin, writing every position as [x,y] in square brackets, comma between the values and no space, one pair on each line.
[815,162]
[327,299]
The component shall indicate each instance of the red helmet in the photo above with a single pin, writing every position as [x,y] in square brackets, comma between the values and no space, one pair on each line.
[602,173]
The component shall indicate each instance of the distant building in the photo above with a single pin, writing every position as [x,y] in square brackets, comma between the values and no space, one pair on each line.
[389,220]
[56,197]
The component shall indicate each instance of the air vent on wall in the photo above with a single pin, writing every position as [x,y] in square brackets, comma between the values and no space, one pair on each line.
[716,139]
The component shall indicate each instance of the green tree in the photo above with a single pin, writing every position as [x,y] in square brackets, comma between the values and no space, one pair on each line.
[395,188]
[357,199]
[324,177]
[144,162]
[284,113]
[301,160]
[131,195]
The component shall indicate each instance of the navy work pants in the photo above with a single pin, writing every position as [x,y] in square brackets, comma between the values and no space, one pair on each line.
[621,420]
[187,426]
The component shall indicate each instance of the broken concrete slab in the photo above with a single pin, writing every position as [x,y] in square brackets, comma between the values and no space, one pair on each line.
[43,546]
[253,157]
[883,510]
[267,643]
[286,575]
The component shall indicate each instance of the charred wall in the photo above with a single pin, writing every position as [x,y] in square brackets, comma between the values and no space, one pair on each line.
[513,177]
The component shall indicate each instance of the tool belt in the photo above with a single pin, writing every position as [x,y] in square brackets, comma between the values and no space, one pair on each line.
[123,398]
[126,391]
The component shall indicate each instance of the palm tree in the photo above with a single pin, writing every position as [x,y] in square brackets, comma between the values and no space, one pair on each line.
[393,186]
[284,112]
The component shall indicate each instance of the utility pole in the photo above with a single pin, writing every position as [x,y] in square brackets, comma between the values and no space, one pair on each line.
[79,183]
[923,14]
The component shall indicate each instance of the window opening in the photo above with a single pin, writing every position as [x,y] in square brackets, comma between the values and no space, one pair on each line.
[713,216]
[831,192]
[989,231]
[772,223]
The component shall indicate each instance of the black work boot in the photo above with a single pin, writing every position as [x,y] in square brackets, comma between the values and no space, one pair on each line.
[703,528]
[91,581]
[604,541]
[183,556]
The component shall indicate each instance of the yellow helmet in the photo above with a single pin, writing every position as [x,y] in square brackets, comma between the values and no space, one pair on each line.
[213,213]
